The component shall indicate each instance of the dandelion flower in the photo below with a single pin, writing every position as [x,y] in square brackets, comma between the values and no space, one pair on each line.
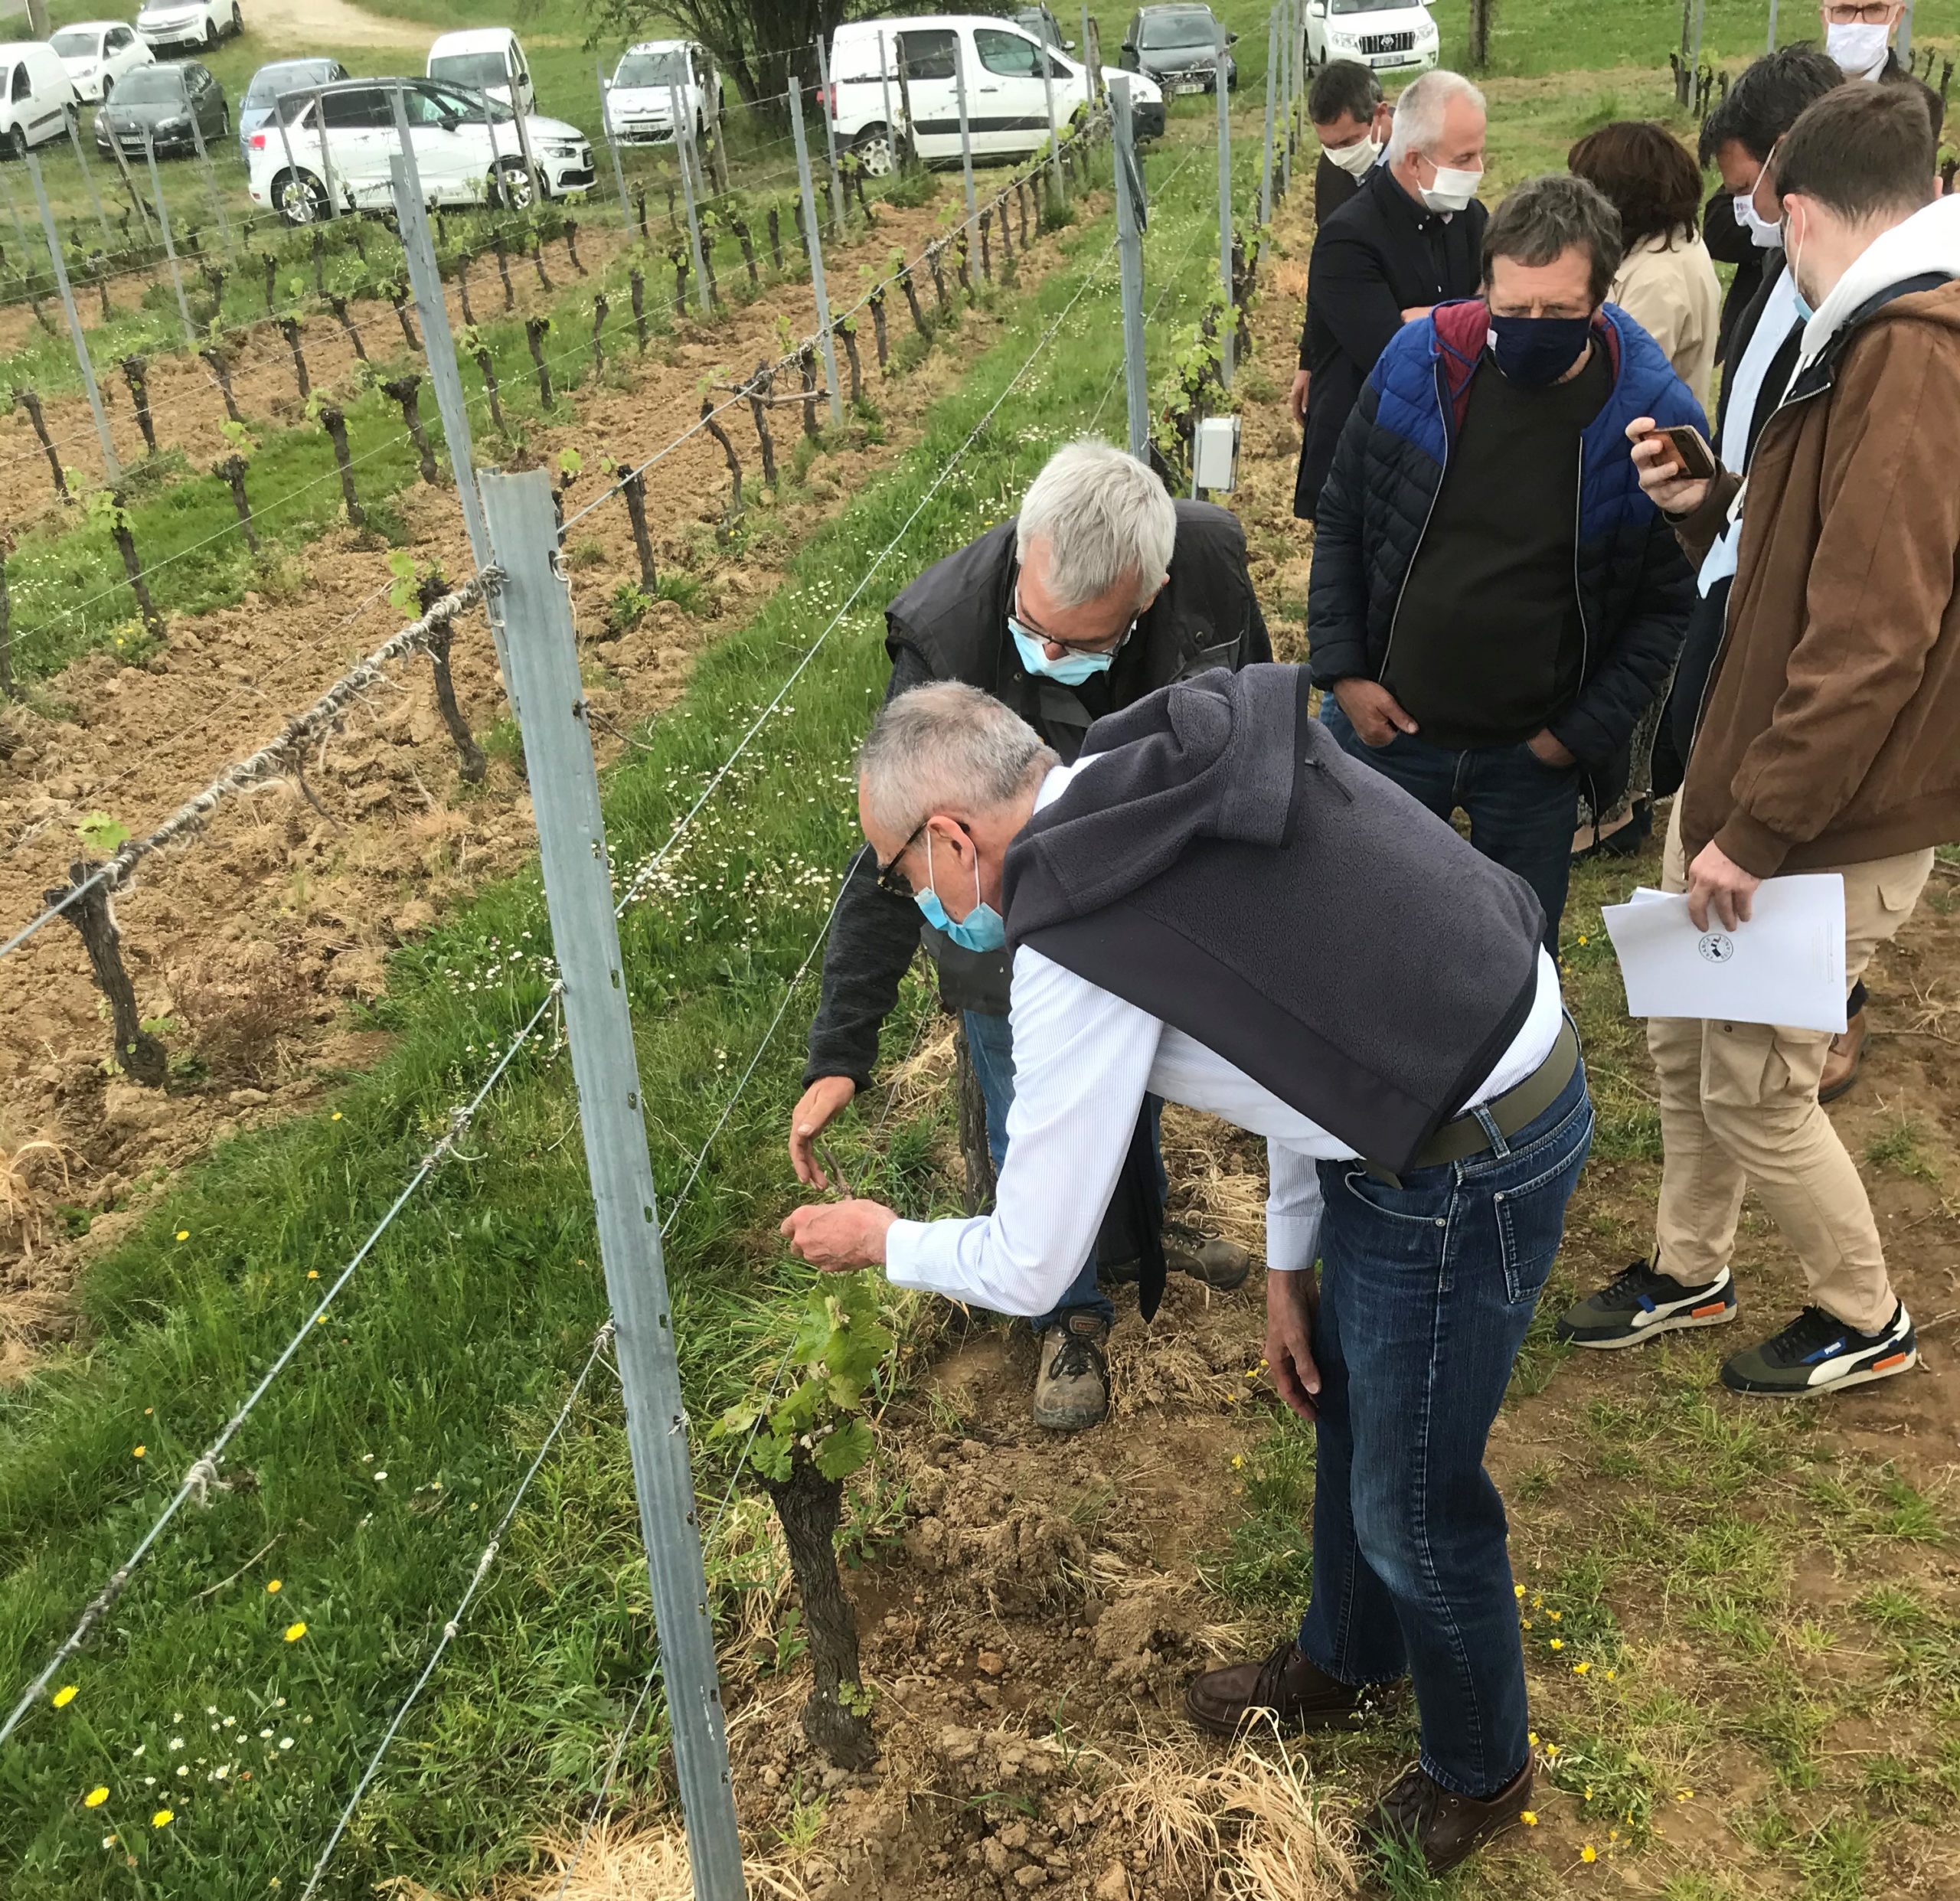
[163,1818]
[1589,1852]
[96,1797]
[336,1116]
[1530,1818]
[63,1697]
[183,1234]
[294,1633]
[273,1586]
[312,1273]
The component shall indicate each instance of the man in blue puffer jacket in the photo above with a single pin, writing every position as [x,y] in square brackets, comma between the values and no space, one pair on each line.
[1494,602]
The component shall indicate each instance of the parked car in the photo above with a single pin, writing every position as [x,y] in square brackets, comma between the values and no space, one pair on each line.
[1390,35]
[283,76]
[1177,47]
[466,149]
[1044,25]
[165,25]
[164,101]
[487,58]
[36,96]
[99,53]
[1007,88]
[636,102]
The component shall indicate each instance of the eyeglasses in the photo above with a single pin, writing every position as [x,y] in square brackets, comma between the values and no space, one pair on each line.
[1852,13]
[892,882]
[1108,643]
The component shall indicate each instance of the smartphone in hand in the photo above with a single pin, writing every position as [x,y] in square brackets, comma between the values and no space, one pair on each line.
[1687,455]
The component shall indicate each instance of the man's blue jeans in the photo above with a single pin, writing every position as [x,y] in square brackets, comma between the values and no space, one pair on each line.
[1425,1292]
[1522,812]
[990,1042]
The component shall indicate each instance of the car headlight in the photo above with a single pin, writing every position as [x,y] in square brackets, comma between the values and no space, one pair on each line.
[173,125]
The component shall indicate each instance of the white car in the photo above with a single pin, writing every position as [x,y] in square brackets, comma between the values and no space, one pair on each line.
[1007,90]
[178,23]
[487,59]
[97,53]
[466,149]
[638,104]
[36,96]
[1392,36]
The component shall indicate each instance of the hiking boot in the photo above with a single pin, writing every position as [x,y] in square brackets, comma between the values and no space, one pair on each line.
[1292,1689]
[1071,1388]
[1818,1353]
[1219,1265]
[1641,1303]
[1846,1058]
[1445,1829]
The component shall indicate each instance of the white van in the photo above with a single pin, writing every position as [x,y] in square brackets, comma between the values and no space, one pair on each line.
[36,96]
[638,99]
[1006,92]
[488,58]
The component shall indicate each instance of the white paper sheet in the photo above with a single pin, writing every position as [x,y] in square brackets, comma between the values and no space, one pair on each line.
[1785,965]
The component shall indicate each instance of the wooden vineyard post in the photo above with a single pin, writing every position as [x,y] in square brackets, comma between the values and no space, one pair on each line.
[847,329]
[233,469]
[544,282]
[572,245]
[27,400]
[776,239]
[762,387]
[911,290]
[292,328]
[746,239]
[138,1053]
[335,423]
[126,546]
[806,369]
[535,329]
[633,486]
[135,372]
[636,290]
[876,303]
[269,265]
[987,242]
[600,309]
[551,697]
[406,393]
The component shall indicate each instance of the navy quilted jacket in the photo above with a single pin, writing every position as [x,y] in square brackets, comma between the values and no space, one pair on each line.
[1636,587]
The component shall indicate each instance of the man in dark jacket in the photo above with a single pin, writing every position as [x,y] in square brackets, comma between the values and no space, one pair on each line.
[1489,629]
[1352,121]
[1411,238]
[1102,590]
[1216,904]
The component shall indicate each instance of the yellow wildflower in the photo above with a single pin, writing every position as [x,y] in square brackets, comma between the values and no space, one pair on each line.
[63,1697]
[96,1797]
[137,1451]
[163,1818]
[1517,1590]
[335,1117]
[1580,1669]
[1534,1739]
[1558,1643]
[1589,1852]
[273,1584]
[1612,1676]
[183,1234]
[294,1633]
[1555,1615]
[1238,1463]
[1530,1818]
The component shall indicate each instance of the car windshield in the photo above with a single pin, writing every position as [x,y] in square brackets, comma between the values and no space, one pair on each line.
[151,86]
[667,68]
[1035,20]
[76,42]
[1190,27]
[471,69]
[269,81]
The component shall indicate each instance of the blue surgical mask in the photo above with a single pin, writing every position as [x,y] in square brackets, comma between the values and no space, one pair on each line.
[1071,670]
[1535,352]
[982,929]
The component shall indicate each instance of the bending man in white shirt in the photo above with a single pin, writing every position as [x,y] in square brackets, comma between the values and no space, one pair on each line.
[1215,905]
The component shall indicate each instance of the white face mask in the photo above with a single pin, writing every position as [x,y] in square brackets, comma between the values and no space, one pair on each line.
[1858,48]
[1453,189]
[1763,234]
[1357,160]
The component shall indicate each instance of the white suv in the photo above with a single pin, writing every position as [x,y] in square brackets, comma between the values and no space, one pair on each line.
[462,157]
[1390,35]
[98,53]
[174,23]
[1007,92]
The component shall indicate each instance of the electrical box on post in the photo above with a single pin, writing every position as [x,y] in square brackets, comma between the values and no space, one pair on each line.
[1215,453]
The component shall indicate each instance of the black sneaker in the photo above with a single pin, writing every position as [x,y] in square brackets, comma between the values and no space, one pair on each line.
[1818,1353]
[1641,1304]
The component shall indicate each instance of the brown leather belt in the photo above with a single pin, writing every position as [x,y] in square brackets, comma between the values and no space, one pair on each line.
[1516,1110]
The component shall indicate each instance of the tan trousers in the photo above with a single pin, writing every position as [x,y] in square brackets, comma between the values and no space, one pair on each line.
[1739,1109]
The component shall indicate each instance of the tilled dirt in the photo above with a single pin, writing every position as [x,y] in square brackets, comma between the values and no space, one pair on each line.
[284,912]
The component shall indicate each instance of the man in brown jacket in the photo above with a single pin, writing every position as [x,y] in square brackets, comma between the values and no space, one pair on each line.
[1827,739]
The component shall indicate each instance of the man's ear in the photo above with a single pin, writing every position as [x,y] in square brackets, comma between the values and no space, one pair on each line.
[1384,122]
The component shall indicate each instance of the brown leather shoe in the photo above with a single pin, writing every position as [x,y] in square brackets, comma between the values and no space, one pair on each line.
[1847,1058]
[1072,1382]
[1219,1264]
[1445,1828]
[1297,1692]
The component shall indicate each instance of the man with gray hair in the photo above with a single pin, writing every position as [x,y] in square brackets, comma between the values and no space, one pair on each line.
[1102,590]
[1216,904]
[1408,240]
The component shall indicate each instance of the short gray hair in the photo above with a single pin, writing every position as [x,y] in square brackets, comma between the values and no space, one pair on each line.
[1419,112]
[1106,519]
[945,747]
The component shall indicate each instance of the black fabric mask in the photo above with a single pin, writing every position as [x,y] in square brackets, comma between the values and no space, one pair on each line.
[1535,351]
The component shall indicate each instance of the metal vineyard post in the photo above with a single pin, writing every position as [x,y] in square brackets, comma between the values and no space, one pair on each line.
[111,467]
[1130,216]
[816,245]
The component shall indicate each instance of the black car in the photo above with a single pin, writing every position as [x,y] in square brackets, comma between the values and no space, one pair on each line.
[1040,22]
[1177,46]
[164,101]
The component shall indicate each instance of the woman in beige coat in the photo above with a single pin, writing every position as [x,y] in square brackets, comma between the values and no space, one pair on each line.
[1666,282]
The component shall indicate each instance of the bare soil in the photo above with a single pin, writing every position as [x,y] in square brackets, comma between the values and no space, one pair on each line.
[286,910]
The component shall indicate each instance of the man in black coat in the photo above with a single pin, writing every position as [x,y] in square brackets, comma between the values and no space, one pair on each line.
[1410,238]
[1102,590]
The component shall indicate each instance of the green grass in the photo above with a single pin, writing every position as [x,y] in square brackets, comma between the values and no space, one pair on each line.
[445,1358]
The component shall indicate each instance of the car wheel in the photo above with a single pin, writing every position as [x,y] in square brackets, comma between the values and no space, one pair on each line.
[210,35]
[513,186]
[224,123]
[874,148]
[15,143]
[299,197]
[238,20]
[108,86]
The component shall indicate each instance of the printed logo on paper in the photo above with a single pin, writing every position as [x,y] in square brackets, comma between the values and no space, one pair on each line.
[1716,947]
